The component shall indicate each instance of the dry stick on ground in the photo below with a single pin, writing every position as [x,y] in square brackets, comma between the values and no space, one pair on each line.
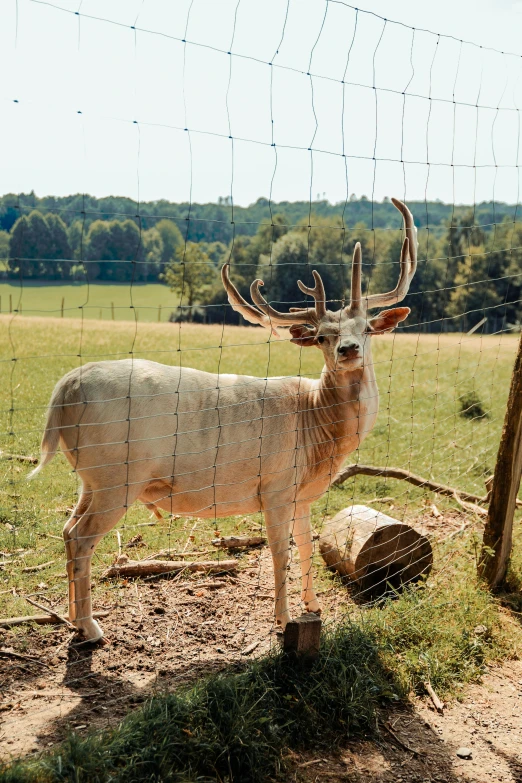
[405,475]
[48,609]
[439,706]
[32,569]
[238,542]
[402,744]
[19,458]
[39,619]
[135,568]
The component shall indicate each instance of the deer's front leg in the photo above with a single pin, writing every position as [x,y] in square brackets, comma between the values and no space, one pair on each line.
[278,527]
[302,533]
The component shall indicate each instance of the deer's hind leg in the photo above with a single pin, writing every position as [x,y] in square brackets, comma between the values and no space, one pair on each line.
[97,512]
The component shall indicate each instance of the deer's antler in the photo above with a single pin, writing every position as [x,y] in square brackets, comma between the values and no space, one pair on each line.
[266,315]
[358,303]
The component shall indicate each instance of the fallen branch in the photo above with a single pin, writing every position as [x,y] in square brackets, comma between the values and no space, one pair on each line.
[32,569]
[439,706]
[58,617]
[133,568]
[238,542]
[482,512]
[399,742]
[39,619]
[19,458]
[406,475]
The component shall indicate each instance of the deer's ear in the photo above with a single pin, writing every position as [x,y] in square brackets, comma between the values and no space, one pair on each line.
[388,320]
[303,335]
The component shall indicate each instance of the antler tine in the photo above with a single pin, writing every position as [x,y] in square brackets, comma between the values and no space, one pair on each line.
[317,292]
[297,316]
[411,232]
[356,289]
[408,263]
[240,305]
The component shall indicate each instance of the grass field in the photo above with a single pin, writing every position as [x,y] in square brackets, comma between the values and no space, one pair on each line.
[151,302]
[419,427]
[426,634]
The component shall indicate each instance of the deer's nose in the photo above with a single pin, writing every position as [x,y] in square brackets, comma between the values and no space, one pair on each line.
[349,349]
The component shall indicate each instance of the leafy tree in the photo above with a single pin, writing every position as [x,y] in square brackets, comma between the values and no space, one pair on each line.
[216,251]
[473,293]
[116,242]
[151,255]
[171,238]
[39,247]
[190,275]
[77,234]
[4,245]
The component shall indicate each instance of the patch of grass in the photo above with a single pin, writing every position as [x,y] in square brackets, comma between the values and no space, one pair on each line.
[104,301]
[471,406]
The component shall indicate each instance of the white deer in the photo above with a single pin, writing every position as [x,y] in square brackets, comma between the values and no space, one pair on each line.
[194,443]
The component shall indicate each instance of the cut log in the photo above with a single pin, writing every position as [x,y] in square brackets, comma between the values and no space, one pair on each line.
[238,542]
[152,567]
[39,619]
[374,550]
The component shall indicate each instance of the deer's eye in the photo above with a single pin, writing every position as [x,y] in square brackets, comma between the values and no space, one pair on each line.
[320,339]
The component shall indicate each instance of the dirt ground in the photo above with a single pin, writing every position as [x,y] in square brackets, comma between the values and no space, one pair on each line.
[168,632]
[160,634]
[417,744]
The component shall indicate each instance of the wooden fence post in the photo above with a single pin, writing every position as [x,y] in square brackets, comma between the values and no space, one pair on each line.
[112,310]
[63,304]
[498,532]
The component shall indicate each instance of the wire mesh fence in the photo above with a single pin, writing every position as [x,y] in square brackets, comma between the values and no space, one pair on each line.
[207,453]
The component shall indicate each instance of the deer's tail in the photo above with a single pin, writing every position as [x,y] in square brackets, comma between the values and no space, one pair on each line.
[51,437]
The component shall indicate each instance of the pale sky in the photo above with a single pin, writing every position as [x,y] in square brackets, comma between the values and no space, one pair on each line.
[90,104]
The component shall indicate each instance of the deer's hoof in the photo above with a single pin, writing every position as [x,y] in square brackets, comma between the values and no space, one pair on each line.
[313,606]
[90,631]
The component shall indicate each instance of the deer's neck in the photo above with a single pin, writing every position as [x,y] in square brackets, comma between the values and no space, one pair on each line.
[345,407]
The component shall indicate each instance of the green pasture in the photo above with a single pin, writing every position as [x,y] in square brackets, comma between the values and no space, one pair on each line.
[419,426]
[102,301]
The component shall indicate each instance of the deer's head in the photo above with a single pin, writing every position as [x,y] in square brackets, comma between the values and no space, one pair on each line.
[342,335]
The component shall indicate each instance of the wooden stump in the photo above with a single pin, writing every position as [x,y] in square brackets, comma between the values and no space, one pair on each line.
[302,636]
[374,550]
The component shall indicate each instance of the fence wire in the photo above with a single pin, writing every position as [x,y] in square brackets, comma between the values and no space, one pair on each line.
[233,433]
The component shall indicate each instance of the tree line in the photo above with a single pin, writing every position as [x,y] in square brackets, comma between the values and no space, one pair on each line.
[467,269]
